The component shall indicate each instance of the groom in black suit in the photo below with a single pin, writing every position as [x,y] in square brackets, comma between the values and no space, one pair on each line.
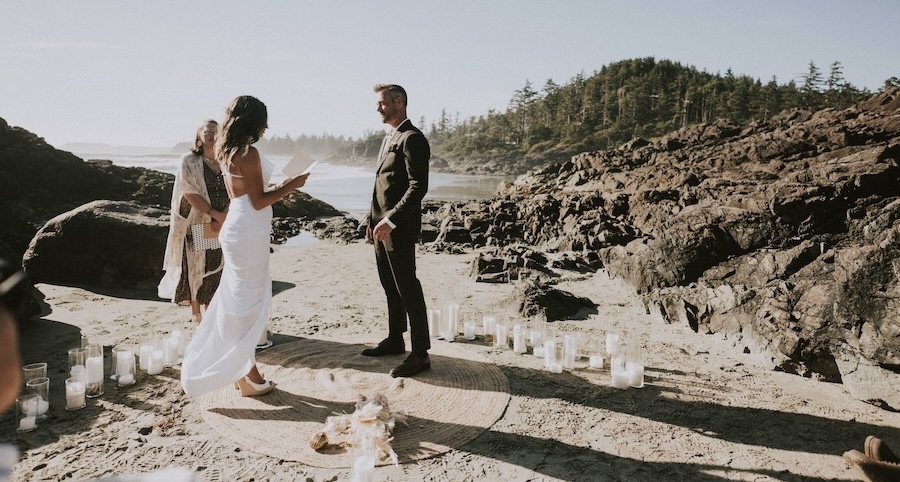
[394,224]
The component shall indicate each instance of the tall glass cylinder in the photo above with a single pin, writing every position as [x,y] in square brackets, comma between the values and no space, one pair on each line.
[93,371]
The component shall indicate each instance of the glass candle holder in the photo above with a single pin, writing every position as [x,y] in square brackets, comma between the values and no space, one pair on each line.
[451,321]
[489,322]
[156,357]
[75,391]
[434,322]
[34,370]
[123,356]
[94,371]
[77,357]
[41,388]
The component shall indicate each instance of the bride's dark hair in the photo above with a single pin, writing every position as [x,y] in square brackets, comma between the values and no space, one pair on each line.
[245,120]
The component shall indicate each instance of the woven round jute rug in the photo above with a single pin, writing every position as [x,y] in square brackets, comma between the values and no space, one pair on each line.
[462,395]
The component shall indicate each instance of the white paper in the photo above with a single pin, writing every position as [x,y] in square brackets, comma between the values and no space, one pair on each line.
[298,165]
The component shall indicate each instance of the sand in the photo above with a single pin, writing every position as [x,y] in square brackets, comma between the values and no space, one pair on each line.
[707,411]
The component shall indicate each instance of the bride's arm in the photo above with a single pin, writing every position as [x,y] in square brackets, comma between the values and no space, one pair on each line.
[249,164]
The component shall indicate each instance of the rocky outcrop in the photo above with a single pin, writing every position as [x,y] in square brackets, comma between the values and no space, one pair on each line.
[103,245]
[38,182]
[782,235]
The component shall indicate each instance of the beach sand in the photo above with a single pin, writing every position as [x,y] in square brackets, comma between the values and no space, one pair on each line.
[708,411]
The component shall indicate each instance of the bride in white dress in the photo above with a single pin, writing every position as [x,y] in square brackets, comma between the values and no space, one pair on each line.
[223,350]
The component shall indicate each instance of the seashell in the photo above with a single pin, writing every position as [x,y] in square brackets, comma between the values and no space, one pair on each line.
[318,440]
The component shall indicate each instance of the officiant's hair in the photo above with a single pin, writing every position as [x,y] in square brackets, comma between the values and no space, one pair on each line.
[245,119]
[394,90]
[198,139]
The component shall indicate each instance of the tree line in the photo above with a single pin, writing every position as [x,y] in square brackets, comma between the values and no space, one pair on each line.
[631,98]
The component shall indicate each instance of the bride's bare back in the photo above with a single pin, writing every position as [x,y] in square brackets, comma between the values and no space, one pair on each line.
[243,175]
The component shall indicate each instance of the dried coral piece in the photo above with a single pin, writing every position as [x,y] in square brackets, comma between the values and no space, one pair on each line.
[318,440]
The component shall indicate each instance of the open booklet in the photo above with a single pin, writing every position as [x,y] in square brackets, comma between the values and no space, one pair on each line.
[298,165]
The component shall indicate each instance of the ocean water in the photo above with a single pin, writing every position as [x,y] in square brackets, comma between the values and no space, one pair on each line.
[347,188]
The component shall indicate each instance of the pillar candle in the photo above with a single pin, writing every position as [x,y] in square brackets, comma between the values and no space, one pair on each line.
[569,349]
[126,380]
[363,469]
[94,367]
[612,343]
[596,361]
[539,351]
[27,423]
[519,345]
[170,351]
[43,406]
[74,395]
[78,371]
[145,356]
[549,353]
[502,336]
[434,322]
[155,364]
[635,374]
[489,329]
[469,330]
[124,362]
[619,379]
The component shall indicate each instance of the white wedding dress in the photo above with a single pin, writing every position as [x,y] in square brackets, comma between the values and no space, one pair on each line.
[223,348]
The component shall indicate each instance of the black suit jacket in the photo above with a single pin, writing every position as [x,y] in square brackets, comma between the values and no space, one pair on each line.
[402,181]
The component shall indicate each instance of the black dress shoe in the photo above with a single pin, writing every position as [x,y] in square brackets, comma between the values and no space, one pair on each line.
[386,347]
[412,365]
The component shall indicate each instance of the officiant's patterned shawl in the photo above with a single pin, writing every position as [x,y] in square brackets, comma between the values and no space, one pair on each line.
[188,180]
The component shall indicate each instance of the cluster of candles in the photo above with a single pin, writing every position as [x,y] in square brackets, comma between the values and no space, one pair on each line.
[86,373]
[559,352]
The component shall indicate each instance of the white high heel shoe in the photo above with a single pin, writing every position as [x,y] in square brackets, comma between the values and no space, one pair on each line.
[250,389]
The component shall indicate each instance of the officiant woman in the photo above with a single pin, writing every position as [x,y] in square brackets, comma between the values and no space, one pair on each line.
[199,196]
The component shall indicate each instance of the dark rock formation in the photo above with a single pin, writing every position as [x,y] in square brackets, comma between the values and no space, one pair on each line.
[102,244]
[533,296]
[783,235]
[38,182]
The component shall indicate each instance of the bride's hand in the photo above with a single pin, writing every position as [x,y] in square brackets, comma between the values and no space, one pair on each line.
[296,182]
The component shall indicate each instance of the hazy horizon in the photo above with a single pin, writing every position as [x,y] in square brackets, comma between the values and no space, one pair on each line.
[146,75]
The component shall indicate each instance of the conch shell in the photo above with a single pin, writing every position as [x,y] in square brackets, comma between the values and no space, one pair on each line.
[318,440]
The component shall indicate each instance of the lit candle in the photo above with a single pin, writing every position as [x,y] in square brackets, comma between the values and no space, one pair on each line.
[537,338]
[74,395]
[635,374]
[94,369]
[27,423]
[596,361]
[155,364]
[556,368]
[145,356]
[489,328]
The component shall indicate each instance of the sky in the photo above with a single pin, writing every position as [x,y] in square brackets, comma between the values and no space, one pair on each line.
[138,73]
